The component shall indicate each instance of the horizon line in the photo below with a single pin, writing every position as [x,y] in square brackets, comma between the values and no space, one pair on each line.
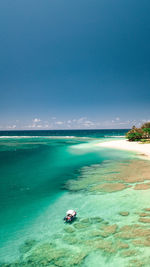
[15,130]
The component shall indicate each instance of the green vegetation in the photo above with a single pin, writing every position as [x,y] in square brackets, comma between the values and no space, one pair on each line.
[140,134]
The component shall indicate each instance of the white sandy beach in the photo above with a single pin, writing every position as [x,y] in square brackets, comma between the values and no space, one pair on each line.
[126,145]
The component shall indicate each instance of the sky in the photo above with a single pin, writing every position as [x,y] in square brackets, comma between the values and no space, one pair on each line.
[68,64]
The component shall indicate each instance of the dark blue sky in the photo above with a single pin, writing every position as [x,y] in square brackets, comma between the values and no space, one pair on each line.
[74,64]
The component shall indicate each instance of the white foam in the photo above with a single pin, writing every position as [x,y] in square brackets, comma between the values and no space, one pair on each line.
[30,137]
[116,136]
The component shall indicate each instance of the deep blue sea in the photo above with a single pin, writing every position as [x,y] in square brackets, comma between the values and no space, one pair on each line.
[76,133]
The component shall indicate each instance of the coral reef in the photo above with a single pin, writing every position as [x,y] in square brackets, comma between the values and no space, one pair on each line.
[109,187]
[115,238]
[124,213]
[142,186]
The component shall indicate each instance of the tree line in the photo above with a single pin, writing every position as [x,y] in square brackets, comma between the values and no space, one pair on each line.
[137,134]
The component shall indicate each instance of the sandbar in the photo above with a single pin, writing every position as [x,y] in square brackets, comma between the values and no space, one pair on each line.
[143,149]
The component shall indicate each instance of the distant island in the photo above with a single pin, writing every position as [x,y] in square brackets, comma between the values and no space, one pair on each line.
[140,134]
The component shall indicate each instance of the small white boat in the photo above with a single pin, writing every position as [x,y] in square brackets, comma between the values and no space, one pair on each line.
[70,216]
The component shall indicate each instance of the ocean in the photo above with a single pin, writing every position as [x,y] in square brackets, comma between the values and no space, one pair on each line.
[45,173]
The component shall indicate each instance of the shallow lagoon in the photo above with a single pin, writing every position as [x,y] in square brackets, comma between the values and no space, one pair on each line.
[52,176]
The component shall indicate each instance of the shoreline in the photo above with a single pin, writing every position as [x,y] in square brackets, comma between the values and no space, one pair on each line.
[142,149]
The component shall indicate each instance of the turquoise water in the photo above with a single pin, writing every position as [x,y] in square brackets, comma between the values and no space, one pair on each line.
[37,176]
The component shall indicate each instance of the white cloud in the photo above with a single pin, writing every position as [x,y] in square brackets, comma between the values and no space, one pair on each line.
[36,120]
[81,120]
[37,126]
[11,126]
[31,125]
[122,123]
[34,124]
[86,125]
[117,119]
[59,122]
[89,122]
[73,123]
